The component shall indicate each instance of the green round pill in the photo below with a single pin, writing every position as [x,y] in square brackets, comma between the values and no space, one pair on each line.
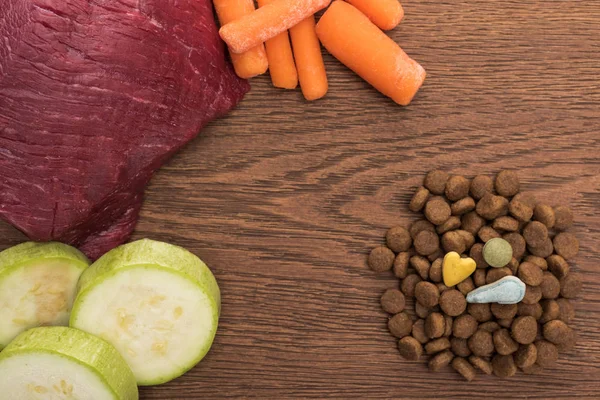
[497,252]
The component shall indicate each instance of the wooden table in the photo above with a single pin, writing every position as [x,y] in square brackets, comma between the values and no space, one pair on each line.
[284,199]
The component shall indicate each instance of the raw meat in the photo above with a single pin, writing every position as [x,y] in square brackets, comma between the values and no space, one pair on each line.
[94,96]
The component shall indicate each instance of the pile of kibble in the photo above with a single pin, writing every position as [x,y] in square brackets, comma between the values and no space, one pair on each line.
[461,215]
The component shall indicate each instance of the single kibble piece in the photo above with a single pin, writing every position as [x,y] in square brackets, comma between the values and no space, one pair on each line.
[435,271]
[421,265]
[472,222]
[563,218]
[533,294]
[468,238]
[426,242]
[400,325]
[504,343]
[504,366]
[464,368]
[448,329]
[410,348]
[480,186]
[481,343]
[482,364]
[566,245]
[524,329]
[409,283]
[491,206]
[476,253]
[401,265]
[507,183]
[567,311]
[501,311]
[440,361]
[398,239]
[490,326]
[418,331]
[545,250]
[437,211]
[460,347]
[419,199]
[547,353]
[435,181]
[393,301]
[422,311]
[550,286]
[495,274]
[569,343]
[533,370]
[479,277]
[435,255]
[570,286]
[487,233]
[535,234]
[435,325]
[513,265]
[505,223]
[480,311]
[453,302]
[466,286]
[381,259]
[437,345]
[533,310]
[453,241]
[526,198]
[464,326]
[457,187]
[539,261]
[451,224]
[521,211]
[497,252]
[551,311]
[558,266]
[526,355]
[556,331]
[441,287]
[419,226]
[505,323]
[463,206]
[530,273]
[545,214]
[517,243]
[427,294]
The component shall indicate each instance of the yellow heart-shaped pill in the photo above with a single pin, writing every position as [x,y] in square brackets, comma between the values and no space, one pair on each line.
[456,269]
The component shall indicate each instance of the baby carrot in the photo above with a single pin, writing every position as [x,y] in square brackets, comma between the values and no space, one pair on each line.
[281,60]
[354,40]
[267,22]
[254,61]
[386,14]
[307,52]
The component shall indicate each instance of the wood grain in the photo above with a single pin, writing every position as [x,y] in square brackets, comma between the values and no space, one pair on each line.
[284,199]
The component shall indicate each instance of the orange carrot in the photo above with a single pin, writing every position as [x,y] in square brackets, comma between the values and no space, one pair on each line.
[386,14]
[354,40]
[281,60]
[267,22]
[254,61]
[307,52]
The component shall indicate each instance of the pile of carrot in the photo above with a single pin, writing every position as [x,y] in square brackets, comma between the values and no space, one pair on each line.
[283,37]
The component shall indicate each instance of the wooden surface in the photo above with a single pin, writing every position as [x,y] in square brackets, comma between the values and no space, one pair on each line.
[284,199]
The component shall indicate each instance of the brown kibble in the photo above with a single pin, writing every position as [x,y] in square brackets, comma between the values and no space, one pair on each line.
[419,226]
[526,355]
[418,331]
[451,224]
[517,242]
[526,198]
[539,261]
[401,265]
[398,239]
[464,326]
[457,187]
[440,360]
[435,255]
[535,234]
[441,287]
[490,326]
[547,353]
[482,364]
[481,343]
[453,302]
[524,329]
[504,366]
[486,233]
[533,370]
[506,322]
[463,206]
[507,183]
[472,222]
[381,259]
[421,265]
[466,286]
[533,310]
[567,311]
[422,311]
[392,301]
[479,277]
[550,286]
[476,253]
[463,367]
[533,294]
[569,342]
[435,325]
[551,311]
[481,312]
[437,211]
[495,274]
[505,223]
[558,266]
[504,310]
[504,343]
[530,273]
[435,271]
[410,348]
[480,186]
[460,347]
[409,283]
[400,325]
[545,214]
[453,241]
[419,199]
[570,286]
[513,265]
[427,294]
[427,242]
[566,245]
[437,345]
[563,218]
[545,250]
[556,331]
[449,321]
[468,238]
[522,212]
[491,206]
[435,181]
